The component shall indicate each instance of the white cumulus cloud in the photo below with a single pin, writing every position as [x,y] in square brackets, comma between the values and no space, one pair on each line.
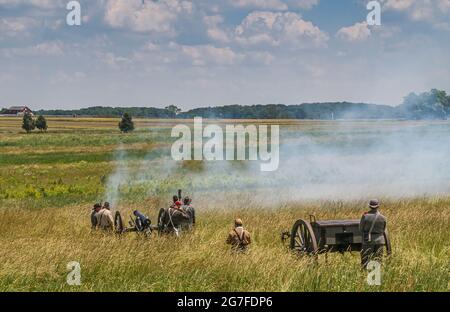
[44,4]
[432,11]
[213,28]
[399,5]
[13,26]
[276,5]
[202,55]
[444,5]
[50,48]
[279,29]
[152,16]
[303,4]
[357,32]
[261,4]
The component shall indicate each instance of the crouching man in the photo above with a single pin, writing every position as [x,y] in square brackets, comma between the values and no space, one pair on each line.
[372,227]
[239,238]
[105,220]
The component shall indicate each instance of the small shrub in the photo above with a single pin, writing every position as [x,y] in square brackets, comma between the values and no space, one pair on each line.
[126,125]
[41,123]
[28,123]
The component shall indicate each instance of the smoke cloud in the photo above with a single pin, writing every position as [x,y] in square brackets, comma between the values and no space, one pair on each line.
[318,161]
[117,178]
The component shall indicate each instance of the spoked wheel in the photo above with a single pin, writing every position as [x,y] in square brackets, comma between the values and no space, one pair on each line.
[118,223]
[161,215]
[388,243]
[303,240]
[147,232]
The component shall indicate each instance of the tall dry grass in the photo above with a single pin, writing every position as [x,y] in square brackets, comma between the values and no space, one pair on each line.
[35,247]
[49,181]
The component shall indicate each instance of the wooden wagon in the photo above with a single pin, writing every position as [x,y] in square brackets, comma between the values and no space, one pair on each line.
[314,237]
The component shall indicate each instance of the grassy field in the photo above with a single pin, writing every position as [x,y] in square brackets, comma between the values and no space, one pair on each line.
[49,181]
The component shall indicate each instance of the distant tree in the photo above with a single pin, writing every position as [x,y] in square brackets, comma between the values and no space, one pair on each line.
[126,125]
[442,98]
[173,109]
[28,123]
[426,105]
[41,123]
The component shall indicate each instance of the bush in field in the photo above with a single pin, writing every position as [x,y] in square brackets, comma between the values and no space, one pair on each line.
[173,109]
[126,125]
[28,123]
[41,123]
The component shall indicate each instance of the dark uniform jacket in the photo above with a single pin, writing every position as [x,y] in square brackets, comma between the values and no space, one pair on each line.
[372,227]
[189,209]
[177,217]
[93,219]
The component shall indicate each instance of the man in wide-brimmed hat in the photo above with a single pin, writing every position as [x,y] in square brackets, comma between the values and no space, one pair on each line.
[94,212]
[372,227]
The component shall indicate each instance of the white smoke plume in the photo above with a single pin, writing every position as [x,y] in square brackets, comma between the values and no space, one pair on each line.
[324,161]
[119,177]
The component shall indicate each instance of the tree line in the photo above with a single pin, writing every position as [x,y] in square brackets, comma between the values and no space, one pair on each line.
[113,112]
[434,104]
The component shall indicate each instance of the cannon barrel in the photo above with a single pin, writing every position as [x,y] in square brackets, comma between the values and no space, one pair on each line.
[144,220]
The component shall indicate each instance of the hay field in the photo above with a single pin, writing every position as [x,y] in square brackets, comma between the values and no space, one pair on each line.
[49,181]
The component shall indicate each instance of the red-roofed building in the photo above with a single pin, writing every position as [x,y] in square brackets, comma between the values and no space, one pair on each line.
[17,111]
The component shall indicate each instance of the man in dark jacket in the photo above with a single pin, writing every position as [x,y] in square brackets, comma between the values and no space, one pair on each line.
[189,209]
[372,227]
[95,210]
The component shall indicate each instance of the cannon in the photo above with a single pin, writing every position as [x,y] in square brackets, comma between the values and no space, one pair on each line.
[169,220]
[140,224]
[315,237]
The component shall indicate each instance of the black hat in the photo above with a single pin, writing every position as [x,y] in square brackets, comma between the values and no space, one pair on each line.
[374,204]
[187,200]
[97,205]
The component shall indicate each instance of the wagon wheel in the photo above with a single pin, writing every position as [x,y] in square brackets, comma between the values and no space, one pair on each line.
[160,223]
[118,223]
[388,243]
[303,239]
[148,233]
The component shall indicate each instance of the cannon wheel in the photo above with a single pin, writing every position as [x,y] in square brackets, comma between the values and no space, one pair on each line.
[160,223]
[303,239]
[388,243]
[118,223]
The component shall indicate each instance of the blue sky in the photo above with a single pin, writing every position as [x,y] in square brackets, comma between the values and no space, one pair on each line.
[210,52]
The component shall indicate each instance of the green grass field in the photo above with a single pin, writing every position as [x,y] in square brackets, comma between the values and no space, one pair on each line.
[49,181]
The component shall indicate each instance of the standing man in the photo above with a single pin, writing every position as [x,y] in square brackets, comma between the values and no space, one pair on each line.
[189,209]
[105,220]
[239,238]
[174,201]
[372,227]
[94,212]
